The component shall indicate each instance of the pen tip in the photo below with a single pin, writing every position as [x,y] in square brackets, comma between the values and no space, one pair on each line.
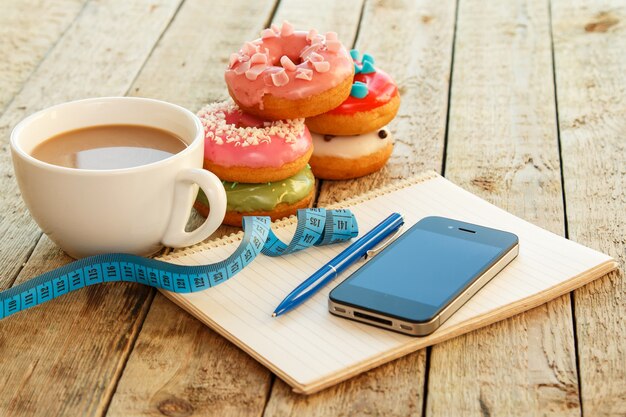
[273,314]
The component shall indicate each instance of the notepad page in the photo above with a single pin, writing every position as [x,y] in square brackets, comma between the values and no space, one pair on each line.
[309,346]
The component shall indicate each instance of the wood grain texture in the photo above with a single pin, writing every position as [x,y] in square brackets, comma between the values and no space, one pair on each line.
[503,146]
[207,61]
[179,366]
[589,44]
[412,41]
[27,34]
[393,389]
[525,365]
[324,15]
[187,66]
[88,61]
[64,358]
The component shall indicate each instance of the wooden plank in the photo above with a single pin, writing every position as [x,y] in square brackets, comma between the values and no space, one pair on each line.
[179,366]
[589,44]
[29,29]
[418,55]
[194,76]
[502,145]
[394,389]
[65,357]
[325,15]
[200,72]
[86,62]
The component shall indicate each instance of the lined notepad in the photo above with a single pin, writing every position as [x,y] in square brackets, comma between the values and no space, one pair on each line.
[310,349]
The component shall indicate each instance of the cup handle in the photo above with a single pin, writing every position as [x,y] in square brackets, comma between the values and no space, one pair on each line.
[175,235]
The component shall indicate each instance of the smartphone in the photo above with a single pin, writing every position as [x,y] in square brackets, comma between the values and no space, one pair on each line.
[419,280]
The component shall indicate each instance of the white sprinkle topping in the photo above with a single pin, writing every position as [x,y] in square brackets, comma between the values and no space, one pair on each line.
[258,58]
[242,68]
[304,54]
[322,66]
[315,57]
[249,48]
[268,33]
[304,74]
[287,29]
[333,46]
[252,57]
[317,40]
[280,78]
[267,80]
[253,73]
[287,63]
[233,59]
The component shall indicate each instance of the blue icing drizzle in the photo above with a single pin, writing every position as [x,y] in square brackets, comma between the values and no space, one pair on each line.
[367,67]
[367,58]
[358,90]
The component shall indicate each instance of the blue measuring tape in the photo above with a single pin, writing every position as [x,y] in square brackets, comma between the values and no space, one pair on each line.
[315,227]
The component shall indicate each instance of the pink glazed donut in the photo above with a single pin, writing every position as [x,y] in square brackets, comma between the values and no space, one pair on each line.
[288,74]
[239,147]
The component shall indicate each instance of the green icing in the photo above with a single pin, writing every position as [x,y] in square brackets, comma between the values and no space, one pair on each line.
[243,197]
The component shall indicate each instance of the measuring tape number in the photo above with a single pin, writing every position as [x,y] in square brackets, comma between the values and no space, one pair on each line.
[315,227]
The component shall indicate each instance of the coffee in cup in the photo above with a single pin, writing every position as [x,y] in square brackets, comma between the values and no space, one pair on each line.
[90,206]
[109,147]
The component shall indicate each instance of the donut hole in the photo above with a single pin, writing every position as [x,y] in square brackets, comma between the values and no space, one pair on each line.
[296,59]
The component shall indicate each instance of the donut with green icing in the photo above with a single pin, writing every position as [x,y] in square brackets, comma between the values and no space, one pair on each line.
[276,199]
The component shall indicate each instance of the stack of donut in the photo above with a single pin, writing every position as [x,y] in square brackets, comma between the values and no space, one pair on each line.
[352,139]
[259,145]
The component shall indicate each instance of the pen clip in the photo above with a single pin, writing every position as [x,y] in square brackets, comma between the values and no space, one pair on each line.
[373,252]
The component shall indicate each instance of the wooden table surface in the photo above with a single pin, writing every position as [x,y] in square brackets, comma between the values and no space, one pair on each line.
[521,102]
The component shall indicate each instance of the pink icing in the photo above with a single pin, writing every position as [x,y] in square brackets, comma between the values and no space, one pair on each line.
[234,138]
[287,64]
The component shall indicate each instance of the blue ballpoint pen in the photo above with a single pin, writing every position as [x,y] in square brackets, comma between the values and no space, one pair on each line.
[334,267]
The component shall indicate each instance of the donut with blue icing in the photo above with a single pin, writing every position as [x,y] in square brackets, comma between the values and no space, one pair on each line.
[373,102]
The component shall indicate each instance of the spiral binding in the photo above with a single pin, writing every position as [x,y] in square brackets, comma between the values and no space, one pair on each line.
[315,227]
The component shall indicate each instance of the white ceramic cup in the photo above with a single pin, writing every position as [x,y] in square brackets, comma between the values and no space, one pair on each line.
[132,210]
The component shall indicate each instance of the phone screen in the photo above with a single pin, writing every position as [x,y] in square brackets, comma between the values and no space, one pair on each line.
[440,264]
[425,268]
